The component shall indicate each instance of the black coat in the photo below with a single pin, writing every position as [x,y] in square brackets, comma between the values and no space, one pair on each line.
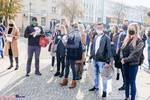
[103,53]
[114,46]
[33,41]
[74,53]
[135,58]
[61,49]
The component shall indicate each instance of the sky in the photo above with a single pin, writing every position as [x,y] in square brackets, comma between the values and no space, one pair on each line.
[145,3]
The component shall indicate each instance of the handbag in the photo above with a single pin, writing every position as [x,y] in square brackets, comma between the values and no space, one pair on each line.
[44,41]
[118,63]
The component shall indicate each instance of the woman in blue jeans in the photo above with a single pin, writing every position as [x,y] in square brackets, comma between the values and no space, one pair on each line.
[130,63]
[148,42]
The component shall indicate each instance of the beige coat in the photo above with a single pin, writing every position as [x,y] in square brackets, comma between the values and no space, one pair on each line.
[14,43]
[83,41]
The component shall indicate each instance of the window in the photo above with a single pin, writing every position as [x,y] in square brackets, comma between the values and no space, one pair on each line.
[43,21]
[43,8]
[53,0]
[53,9]
[32,7]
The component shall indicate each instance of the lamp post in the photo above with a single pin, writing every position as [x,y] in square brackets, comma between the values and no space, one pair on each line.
[30,11]
[148,13]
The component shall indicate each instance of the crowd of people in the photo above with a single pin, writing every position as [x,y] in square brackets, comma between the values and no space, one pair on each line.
[75,45]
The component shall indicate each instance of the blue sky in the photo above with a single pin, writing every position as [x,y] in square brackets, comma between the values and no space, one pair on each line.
[145,3]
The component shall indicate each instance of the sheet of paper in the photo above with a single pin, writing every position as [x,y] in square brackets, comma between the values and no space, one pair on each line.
[8,38]
[37,30]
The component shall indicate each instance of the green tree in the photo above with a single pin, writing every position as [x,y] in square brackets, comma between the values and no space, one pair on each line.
[10,8]
[71,9]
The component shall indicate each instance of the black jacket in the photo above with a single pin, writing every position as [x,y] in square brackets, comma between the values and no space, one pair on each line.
[61,49]
[103,53]
[114,46]
[33,41]
[135,58]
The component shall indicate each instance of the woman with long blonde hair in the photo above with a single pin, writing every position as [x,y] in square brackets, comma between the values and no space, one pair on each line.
[131,62]
[11,46]
[79,63]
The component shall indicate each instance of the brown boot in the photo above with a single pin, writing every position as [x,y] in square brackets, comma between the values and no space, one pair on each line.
[64,82]
[11,65]
[17,66]
[73,84]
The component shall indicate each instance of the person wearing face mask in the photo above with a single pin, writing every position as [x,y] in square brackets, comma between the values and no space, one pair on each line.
[131,58]
[143,36]
[114,39]
[119,44]
[148,42]
[101,56]
[33,45]
[11,47]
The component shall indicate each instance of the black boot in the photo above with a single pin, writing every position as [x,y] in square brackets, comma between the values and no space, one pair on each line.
[94,89]
[37,73]
[104,94]
[57,74]
[2,56]
[11,65]
[17,66]
[27,74]
[77,77]
[117,76]
[122,88]
[149,67]
[61,74]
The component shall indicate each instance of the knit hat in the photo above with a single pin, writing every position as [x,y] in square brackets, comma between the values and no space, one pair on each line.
[34,18]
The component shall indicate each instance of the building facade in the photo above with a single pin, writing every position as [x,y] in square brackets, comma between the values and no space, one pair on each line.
[46,12]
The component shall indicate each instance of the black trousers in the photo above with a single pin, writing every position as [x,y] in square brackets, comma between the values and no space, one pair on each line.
[60,60]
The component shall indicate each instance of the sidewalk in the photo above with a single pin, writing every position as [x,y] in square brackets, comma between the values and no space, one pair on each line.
[46,87]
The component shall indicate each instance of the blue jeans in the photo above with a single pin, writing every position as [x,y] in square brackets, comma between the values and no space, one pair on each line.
[1,50]
[130,73]
[149,55]
[99,66]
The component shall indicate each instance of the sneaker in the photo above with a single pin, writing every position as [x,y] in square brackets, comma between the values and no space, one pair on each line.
[57,74]
[122,88]
[94,89]
[37,73]
[104,94]
[84,67]
[52,69]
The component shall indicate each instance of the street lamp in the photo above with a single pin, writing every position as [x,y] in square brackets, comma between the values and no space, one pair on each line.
[148,13]
[30,11]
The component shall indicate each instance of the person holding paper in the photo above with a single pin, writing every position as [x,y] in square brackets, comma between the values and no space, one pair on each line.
[11,46]
[33,32]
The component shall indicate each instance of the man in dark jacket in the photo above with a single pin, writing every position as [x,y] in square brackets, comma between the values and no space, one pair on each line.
[33,44]
[101,56]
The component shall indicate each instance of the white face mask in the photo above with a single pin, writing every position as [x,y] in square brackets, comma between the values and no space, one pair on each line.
[111,28]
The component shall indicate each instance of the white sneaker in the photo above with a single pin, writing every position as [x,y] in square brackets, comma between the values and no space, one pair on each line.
[52,69]
[84,67]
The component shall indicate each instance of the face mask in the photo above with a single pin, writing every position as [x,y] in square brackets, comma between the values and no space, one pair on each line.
[125,27]
[34,23]
[11,25]
[114,30]
[99,32]
[111,28]
[131,32]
